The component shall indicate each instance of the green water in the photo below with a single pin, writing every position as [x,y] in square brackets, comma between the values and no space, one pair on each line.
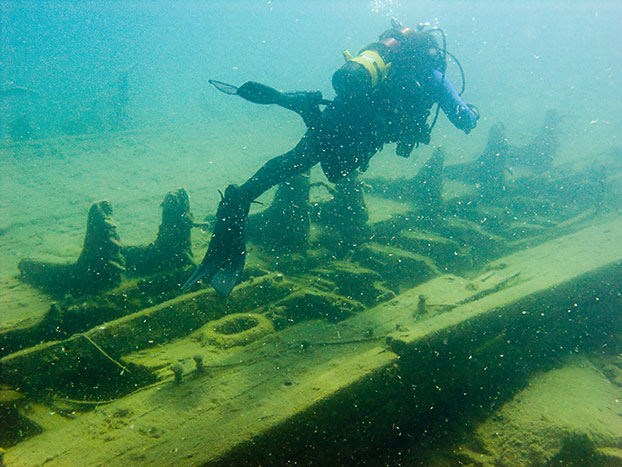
[112,101]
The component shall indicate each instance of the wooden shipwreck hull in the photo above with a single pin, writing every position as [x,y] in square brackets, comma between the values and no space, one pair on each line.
[322,384]
[322,357]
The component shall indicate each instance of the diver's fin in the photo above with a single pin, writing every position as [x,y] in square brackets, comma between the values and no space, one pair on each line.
[259,93]
[304,103]
[223,281]
[227,248]
[226,279]
[229,274]
[199,273]
[224,87]
[251,91]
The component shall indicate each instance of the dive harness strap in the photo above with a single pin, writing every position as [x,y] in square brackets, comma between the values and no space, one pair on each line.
[304,103]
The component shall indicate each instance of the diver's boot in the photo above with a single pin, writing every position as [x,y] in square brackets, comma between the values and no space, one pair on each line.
[223,263]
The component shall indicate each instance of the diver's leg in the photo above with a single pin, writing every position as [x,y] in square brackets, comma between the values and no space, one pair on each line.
[225,257]
[281,168]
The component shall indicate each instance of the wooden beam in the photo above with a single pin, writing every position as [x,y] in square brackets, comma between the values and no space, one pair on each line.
[322,384]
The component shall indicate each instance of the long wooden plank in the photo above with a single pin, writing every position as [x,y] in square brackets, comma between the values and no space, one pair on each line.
[319,378]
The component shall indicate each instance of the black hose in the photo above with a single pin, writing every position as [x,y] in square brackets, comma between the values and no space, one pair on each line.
[447,53]
[444,36]
[438,109]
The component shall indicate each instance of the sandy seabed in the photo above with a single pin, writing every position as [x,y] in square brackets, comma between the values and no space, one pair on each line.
[48,185]
[580,400]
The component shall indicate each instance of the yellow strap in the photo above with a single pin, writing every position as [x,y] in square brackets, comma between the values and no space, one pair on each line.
[375,56]
[374,64]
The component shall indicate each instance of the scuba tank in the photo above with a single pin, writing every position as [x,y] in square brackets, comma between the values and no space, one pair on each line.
[364,73]
[409,52]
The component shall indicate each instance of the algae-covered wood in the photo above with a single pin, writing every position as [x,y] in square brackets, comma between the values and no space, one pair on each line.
[268,399]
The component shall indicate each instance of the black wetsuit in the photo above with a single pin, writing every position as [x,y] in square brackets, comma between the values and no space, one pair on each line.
[352,130]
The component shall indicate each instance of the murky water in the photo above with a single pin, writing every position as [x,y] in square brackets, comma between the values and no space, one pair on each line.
[103,101]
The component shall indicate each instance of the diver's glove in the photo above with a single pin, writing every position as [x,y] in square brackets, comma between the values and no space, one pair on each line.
[463,116]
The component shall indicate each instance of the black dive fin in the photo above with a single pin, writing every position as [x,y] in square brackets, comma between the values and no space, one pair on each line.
[251,91]
[228,276]
[224,260]
[304,103]
[224,87]
[259,93]
[199,273]
[225,280]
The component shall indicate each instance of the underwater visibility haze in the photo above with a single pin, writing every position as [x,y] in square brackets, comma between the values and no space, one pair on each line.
[456,305]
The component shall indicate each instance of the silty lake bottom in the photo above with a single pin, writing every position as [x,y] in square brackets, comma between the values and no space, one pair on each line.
[459,307]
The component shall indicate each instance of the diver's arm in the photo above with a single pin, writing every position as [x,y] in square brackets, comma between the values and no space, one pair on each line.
[462,115]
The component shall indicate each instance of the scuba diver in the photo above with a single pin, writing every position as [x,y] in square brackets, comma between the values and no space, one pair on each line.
[383,95]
